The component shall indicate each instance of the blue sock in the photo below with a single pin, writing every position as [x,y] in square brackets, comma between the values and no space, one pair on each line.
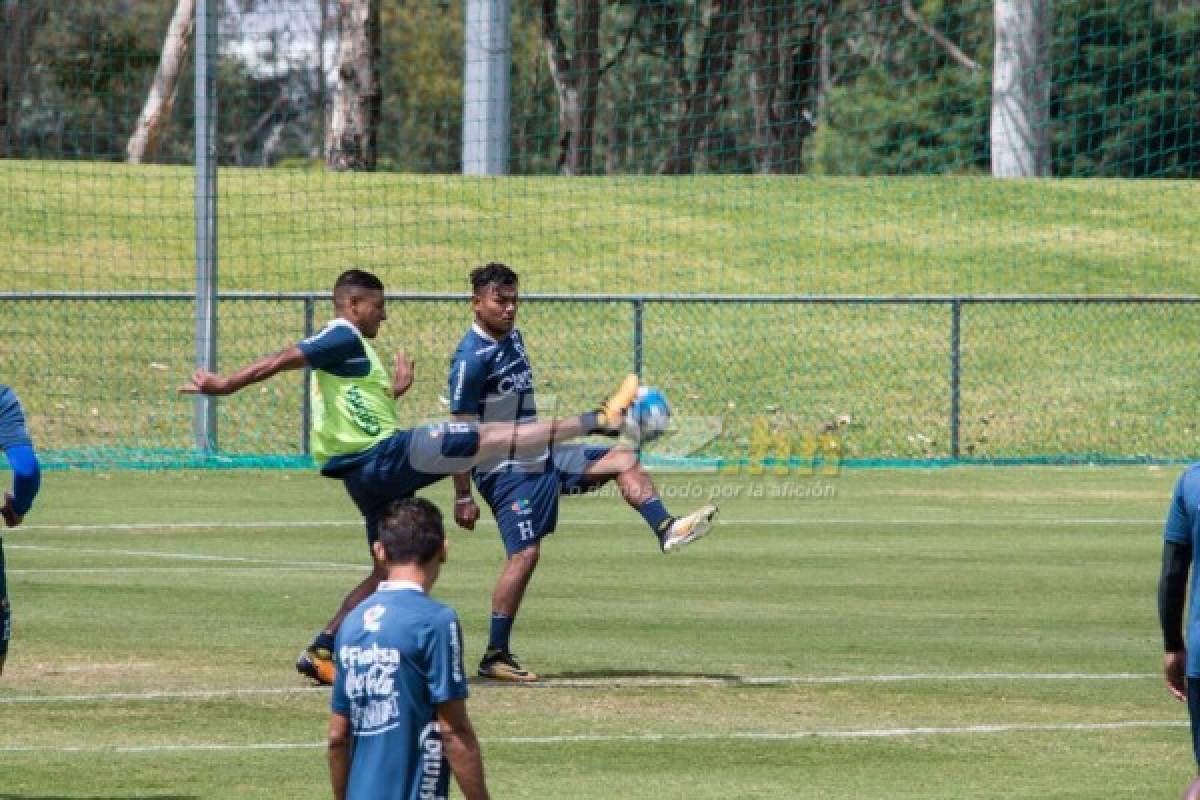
[27,477]
[500,631]
[655,514]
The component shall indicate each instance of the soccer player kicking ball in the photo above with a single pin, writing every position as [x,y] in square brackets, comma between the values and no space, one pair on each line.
[357,438]
[27,479]
[399,706]
[491,380]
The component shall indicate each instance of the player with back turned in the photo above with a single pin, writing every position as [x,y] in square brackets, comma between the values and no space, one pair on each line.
[399,721]
[356,435]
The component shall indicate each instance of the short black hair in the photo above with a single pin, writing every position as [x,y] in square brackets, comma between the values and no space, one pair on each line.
[489,273]
[355,278]
[411,531]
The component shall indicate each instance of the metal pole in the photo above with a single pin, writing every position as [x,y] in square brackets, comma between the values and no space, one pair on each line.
[487,56]
[306,403]
[955,369]
[639,308]
[204,418]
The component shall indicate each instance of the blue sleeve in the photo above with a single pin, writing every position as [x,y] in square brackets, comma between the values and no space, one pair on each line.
[445,678]
[333,346]
[1178,528]
[467,377]
[27,477]
[339,701]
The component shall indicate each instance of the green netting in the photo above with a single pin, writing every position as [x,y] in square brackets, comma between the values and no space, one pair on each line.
[655,149]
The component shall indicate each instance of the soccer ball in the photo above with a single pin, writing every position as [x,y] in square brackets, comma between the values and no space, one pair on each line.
[648,417]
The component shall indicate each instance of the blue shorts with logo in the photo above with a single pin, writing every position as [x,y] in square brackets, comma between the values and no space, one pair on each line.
[12,421]
[403,464]
[525,504]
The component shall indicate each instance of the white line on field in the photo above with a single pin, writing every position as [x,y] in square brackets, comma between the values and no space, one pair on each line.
[991,522]
[631,682]
[177,570]
[188,557]
[599,738]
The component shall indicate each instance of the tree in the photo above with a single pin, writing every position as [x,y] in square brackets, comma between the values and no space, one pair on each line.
[20,22]
[160,102]
[1021,89]
[783,79]
[352,140]
[576,80]
[704,100]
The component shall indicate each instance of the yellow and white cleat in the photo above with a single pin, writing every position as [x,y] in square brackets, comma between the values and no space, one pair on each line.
[685,530]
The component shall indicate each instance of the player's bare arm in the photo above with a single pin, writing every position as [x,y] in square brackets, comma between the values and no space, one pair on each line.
[339,754]
[466,510]
[402,374]
[462,749]
[212,383]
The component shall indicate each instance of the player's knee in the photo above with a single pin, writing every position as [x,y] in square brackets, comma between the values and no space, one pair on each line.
[1193,791]
[625,461]
[526,560]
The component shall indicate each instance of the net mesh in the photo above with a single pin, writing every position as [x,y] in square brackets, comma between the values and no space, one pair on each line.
[667,150]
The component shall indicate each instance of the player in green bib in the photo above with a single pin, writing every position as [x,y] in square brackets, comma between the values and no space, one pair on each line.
[356,436]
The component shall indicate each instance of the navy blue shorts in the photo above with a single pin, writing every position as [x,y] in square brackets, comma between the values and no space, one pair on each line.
[1193,700]
[525,504]
[12,421]
[406,462]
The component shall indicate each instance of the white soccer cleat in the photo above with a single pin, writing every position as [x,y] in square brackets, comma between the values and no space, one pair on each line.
[685,530]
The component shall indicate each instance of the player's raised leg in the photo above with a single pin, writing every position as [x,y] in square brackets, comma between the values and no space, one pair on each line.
[639,491]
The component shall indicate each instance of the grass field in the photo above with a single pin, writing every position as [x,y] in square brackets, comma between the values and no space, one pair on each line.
[1037,381]
[983,633]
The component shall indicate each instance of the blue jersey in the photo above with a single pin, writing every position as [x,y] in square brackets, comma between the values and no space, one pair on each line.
[494,381]
[398,656]
[1183,527]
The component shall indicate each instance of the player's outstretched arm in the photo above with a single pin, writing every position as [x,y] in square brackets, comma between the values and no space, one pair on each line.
[205,382]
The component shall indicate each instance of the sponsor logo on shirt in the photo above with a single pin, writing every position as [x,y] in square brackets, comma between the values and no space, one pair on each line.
[360,413]
[429,743]
[517,382]
[521,507]
[372,616]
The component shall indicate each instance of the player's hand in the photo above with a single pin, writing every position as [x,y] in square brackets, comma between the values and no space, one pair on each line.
[402,374]
[11,518]
[1173,672]
[466,513]
[205,382]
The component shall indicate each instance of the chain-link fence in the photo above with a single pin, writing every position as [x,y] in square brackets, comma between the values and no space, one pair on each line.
[862,380]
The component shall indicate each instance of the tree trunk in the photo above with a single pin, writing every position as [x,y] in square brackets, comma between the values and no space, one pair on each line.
[19,23]
[160,102]
[1020,129]
[576,81]
[352,141]
[762,42]
[706,100]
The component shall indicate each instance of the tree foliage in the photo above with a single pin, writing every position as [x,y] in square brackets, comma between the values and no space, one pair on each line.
[677,86]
